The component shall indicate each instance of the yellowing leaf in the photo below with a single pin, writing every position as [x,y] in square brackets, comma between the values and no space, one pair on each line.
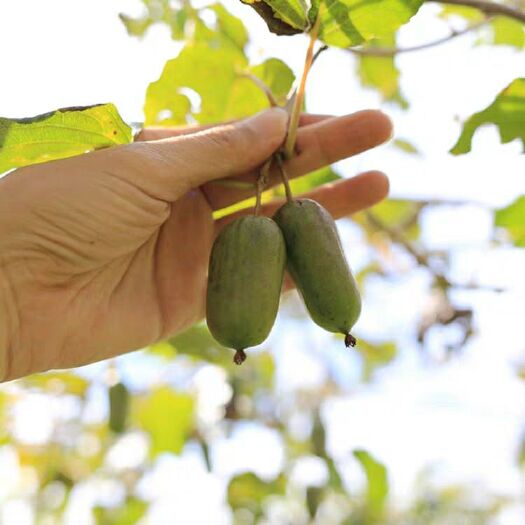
[507,112]
[167,416]
[59,134]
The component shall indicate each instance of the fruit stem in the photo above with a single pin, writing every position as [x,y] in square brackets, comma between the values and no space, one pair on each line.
[293,125]
[350,340]
[262,181]
[284,177]
[239,357]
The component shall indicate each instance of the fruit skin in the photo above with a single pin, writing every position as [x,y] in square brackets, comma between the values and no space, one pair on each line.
[245,277]
[318,266]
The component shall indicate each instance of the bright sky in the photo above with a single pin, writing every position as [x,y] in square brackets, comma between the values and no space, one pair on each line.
[465,416]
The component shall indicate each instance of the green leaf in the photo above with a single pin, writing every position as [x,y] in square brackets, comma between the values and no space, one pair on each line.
[277,76]
[62,133]
[230,26]
[508,32]
[507,112]
[248,491]
[405,145]
[168,417]
[136,26]
[160,11]
[314,497]
[58,383]
[273,20]
[512,218]
[377,480]
[214,74]
[381,73]
[129,513]
[375,355]
[313,180]
[293,12]
[346,23]
[396,213]
[118,397]
[197,342]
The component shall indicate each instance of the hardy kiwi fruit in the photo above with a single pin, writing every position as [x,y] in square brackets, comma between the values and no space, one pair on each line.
[244,282]
[317,264]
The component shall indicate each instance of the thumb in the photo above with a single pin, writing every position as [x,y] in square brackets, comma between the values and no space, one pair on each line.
[170,167]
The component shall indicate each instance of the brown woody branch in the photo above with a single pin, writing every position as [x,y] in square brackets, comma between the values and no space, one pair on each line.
[421,257]
[489,8]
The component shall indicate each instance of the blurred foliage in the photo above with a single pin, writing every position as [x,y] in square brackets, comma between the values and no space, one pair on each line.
[381,73]
[167,417]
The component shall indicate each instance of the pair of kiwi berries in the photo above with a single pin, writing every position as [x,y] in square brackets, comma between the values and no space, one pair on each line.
[246,271]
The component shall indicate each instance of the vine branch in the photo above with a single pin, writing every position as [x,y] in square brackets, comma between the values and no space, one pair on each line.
[487,7]
[391,51]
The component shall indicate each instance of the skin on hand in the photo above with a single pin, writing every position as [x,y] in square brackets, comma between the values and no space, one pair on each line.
[108,252]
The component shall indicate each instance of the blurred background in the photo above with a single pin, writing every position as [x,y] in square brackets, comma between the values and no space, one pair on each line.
[422,423]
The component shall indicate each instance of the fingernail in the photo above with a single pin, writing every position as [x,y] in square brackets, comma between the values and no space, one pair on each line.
[270,123]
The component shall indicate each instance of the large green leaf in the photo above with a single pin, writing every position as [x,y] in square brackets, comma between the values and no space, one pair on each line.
[507,112]
[59,134]
[377,483]
[381,73]
[512,218]
[346,23]
[230,26]
[168,417]
[215,75]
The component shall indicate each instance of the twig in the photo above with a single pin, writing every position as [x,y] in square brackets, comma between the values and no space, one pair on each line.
[422,258]
[392,51]
[322,49]
[489,8]
[257,81]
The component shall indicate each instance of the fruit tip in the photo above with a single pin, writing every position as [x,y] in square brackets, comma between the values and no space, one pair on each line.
[350,340]
[239,357]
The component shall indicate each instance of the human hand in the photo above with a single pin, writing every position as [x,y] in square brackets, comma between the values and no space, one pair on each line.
[107,252]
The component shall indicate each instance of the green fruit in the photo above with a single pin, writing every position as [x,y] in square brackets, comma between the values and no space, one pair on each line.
[244,283]
[318,266]
[118,407]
